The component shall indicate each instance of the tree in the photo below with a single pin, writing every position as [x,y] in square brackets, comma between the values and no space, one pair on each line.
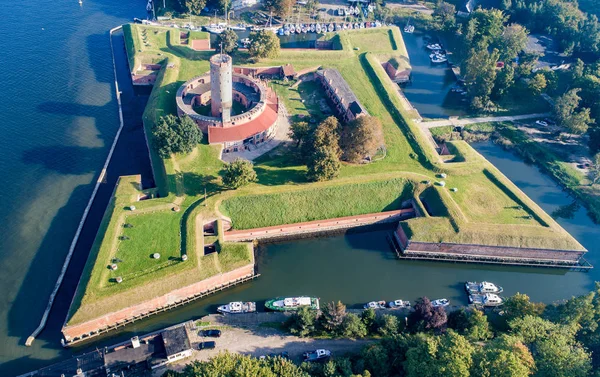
[175,135]
[368,317]
[376,359]
[427,317]
[239,173]
[511,42]
[360,138]
[228,40]
[388,325]
[195,6]
[479,74]
[333,316]
[489,25]
[444,15]
[323,165]
[579,122]
[282,8]
[519,306]
[353,327]
[327,135]
[505,79]
[299,132]
[595,169]
[447,355]
[565,111]
[263,44]
[505,356]
[478,327]
[302,322]
[537,84]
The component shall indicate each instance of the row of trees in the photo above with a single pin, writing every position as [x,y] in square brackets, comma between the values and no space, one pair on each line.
[263,44]
[529,339]
[322,147]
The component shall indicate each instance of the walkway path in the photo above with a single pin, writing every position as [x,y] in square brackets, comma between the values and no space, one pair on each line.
[465,121]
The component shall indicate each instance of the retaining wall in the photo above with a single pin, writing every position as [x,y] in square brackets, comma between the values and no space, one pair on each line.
[73,333]
[300,230]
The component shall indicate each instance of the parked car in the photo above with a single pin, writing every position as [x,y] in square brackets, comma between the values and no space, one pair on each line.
[207,345]
[541,123]
[210,333]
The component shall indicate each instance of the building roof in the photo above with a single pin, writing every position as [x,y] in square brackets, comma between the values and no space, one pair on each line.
[92,364]
[243,131]
[130,356]
[176,340]
[335,80]
[288,70]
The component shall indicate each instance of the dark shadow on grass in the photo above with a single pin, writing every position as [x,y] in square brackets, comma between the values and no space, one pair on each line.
[278,177]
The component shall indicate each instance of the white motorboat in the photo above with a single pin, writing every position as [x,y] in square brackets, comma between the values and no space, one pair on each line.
[485,286]
[292,29]
[375,305]
[239,27]
[439,59]
[312,28]
[318,28]
[409,29]
[316,355]
[237,307]
[215,29]
[434,46]
[362,25]
[442,302]
[438,54]
[486,300]
[331,28]
[281,31]
[399,304]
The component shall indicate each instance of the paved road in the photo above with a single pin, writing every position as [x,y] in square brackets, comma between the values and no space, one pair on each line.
[465,121]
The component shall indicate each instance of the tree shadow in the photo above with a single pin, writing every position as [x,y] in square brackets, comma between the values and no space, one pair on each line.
[276,177]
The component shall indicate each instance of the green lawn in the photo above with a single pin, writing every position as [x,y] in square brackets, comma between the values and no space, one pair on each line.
[487,208]
[254,211]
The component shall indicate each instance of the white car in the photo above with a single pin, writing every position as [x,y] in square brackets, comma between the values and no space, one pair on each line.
[541,123]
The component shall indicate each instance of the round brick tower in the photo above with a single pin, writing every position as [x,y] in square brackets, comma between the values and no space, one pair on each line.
[221,90]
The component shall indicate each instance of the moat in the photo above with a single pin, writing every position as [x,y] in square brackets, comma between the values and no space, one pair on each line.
[354,268]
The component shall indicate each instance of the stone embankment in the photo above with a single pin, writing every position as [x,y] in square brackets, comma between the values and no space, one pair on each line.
[82,331]
[305,229]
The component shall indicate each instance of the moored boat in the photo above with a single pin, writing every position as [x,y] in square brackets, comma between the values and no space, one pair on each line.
[399,304]
[439,59]
[434,46]
[286,304]
[486,300]
[312,28]
[237,307]
[442,302]
[375,305]
[484,286]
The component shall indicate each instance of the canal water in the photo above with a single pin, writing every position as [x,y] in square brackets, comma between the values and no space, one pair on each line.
[429,89]
[58,121]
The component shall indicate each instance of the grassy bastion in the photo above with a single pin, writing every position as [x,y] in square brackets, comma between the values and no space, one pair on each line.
[477,203]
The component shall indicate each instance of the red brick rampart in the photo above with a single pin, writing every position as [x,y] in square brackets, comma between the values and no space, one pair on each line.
[96,326]
[317,226]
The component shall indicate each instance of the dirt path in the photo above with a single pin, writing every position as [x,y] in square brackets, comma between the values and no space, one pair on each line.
[465,121]
[258,341]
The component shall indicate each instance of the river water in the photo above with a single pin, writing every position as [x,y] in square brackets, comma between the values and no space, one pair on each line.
[59,119]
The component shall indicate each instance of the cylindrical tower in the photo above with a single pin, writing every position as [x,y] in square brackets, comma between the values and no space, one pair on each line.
[221,90]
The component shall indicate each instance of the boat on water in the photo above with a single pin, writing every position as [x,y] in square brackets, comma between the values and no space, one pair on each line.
[281,31]
[439,59]
[238,27]
[356,25]
[442,302]
[312,28]
[292,29]
[485,286]
[318,28]
[331,28]
[362,25]
[338,27]
[316,355]
[434,46]
[214,28]
[286,304]
[399,304]
[237,307]
[437,53]
[409,29]
[375,305]
[486,300]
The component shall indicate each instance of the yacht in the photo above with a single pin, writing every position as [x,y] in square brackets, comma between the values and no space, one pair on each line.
[439,59]
[237,307]
[286,304]
[434,46]
[442,302]
[399,304]
[375,305]
[486,300]
[483,287]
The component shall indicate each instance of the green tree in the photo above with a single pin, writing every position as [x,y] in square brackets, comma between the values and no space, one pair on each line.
[333,316]
[480,74]
[323,164]
[505,356]
[299,132]
[595,169]
[376,359]
[505,79]
[444,16]
[302,322]
[353,327]
[449,355]
[489,25]
[195,6]
[566,105]
[360,138]
[478,327]
[511,42]
[368,317]
[537,84]
[519,306]
[282,8]
[175,135]
[388,325]
[228,40]
[579,122]
[263,44]
[239,173]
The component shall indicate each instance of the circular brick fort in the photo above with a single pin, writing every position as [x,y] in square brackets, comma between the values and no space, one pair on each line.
[233,109]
